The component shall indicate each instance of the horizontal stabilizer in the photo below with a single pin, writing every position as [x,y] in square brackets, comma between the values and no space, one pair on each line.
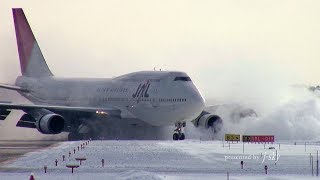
[12,87]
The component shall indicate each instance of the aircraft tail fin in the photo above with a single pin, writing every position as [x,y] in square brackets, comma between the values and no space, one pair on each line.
[32,62]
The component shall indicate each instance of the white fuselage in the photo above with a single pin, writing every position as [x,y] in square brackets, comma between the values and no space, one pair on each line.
[159,98]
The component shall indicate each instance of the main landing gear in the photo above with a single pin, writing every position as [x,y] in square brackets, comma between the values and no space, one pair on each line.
[179,135]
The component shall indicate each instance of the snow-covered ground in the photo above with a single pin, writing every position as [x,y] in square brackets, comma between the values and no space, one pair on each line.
[188,159]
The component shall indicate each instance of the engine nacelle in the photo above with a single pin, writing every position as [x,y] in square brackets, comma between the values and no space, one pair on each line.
[207,120]
[50,124]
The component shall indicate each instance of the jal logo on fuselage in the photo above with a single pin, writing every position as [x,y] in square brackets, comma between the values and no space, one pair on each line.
[142,90]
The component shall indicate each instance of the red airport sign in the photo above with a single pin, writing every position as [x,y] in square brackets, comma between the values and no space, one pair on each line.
[257,138]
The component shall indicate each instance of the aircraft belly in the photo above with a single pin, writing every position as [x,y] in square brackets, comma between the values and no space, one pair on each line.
[157,116]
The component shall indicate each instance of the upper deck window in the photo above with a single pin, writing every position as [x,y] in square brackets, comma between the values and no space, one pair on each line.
[182,78]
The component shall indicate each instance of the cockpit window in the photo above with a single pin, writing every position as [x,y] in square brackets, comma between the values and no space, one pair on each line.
[182,79]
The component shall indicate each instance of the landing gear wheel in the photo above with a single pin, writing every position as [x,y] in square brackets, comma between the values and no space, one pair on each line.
[175,136]
[184,124]
[182,137]
[178,135]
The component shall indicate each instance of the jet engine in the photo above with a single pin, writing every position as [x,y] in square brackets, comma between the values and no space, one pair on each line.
[208,120]
[50,124]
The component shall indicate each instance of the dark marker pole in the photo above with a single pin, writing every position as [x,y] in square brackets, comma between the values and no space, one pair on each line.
[317,163]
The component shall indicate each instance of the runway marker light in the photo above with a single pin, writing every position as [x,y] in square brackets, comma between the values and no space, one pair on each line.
[80,159]
[72,166]
[266,169]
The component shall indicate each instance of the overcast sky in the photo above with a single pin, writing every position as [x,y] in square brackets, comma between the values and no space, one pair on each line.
[225,46]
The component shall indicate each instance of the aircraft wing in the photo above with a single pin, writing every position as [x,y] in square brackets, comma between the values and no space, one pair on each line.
[28,107]
[12,87]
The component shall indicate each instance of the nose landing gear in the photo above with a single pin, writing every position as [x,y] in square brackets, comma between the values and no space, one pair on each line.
[179,135]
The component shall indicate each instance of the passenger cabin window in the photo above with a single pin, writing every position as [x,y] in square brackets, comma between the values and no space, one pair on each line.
[182,79]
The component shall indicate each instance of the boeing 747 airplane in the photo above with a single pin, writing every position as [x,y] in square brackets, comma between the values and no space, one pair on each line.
[79,105]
